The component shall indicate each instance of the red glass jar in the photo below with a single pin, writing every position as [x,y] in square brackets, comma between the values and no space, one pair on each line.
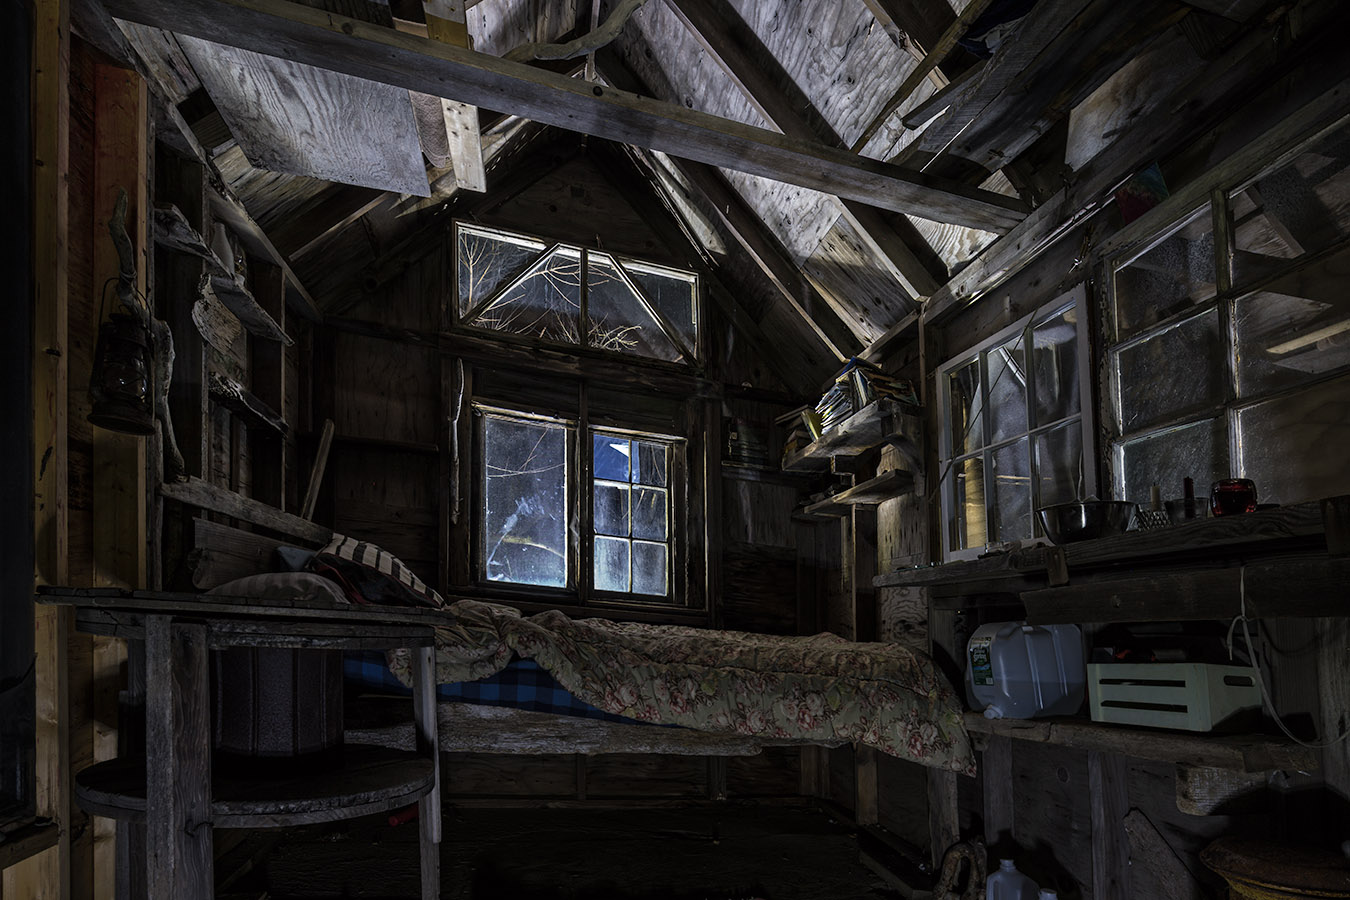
[1232,496]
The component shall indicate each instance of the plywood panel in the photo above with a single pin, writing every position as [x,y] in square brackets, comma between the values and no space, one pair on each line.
[300,120]
[759,589]
[1052,819]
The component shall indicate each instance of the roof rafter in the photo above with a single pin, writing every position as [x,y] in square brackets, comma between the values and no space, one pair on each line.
[731,42]
[328,41]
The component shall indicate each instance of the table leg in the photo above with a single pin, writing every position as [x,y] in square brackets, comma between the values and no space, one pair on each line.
[429,807]
[178,761]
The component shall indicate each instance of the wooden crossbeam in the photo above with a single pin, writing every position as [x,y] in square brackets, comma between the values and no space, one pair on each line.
[731,42]
[320,39]
[945,45]
[446,22]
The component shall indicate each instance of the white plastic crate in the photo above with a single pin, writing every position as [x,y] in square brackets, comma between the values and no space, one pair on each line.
[1189,696]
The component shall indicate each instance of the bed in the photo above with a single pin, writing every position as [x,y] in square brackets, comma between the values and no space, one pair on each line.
[595,685]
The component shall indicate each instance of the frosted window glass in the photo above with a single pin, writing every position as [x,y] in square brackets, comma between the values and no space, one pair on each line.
[525,502]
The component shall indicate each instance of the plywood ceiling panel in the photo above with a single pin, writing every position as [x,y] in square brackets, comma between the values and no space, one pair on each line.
[300,120]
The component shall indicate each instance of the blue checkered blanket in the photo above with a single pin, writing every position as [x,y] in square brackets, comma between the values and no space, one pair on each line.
[523,684]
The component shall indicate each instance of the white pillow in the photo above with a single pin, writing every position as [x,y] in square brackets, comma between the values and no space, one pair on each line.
[282,586]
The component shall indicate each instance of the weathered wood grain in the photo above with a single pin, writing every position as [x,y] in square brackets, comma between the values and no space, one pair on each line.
[196,492]
[414,63]
[289,117]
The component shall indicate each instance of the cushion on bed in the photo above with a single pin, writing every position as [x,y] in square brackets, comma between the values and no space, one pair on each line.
[368,574]
[282,586]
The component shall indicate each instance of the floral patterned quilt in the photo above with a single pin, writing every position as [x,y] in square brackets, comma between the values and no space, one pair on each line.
[818,688]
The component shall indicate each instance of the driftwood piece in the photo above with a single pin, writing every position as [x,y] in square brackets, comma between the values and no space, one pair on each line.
[587,43]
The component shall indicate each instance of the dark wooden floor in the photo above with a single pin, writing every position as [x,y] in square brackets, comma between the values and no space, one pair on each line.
[727,853]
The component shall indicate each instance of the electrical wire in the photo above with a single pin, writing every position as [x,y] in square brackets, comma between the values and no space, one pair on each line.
[1243,619]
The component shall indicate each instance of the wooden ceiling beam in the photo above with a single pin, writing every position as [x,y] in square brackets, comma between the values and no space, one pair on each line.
[735,47]
[642,190]
[945,45]
[385,56]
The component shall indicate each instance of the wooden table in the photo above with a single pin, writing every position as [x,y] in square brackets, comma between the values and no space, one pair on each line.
[172,791]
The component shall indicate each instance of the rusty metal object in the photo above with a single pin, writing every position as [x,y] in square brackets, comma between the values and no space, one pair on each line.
[973,854]
[1257,870]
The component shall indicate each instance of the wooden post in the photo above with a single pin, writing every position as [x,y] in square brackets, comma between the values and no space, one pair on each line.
[1108,778]
[866,805]
[429,806]
[46,876]
[178,761]
[996,766]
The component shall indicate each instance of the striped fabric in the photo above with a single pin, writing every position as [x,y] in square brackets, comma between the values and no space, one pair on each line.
[371,575]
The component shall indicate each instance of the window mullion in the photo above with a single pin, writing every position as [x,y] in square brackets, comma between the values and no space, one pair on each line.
[583,510]
[986,452]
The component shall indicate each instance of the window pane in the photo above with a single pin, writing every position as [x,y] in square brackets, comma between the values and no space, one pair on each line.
[649,514]
[1295,330]
[650,465]
[967,432]
[1180,369]
[1059,464]
[1175,274]
[611,564]
[1055,366]
[1012,492]
[968,513]
[611,454]
[611,508]
[672,295]
[1007,391]
[486,261]
[1294,448]
[650,569]
[1198,451]
[543,304]
[618,319]
[1294,211]
[525,505]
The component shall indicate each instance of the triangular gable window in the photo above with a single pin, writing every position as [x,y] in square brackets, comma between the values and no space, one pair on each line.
[514,283]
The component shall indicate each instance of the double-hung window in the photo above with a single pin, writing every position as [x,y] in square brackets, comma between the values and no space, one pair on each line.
[1017,434]
[1229,346]
[582,486]
[611,535]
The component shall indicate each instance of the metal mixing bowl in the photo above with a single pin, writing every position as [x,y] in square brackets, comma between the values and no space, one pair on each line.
[1082,520]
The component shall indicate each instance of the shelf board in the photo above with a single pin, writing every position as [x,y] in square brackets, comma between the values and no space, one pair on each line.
[1240,753]
[361,780]
[174,232]
[235,397]
[1265,531]
[867,428]
[204,495]
[228,209]
[869,493]
[253,317]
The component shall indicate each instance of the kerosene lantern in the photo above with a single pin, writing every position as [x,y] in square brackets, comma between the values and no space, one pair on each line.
[120,387]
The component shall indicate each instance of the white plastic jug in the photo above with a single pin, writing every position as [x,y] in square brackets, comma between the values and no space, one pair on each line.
[1019,671]
[1009,884]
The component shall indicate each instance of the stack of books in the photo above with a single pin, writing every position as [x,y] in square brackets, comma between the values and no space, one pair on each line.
[858,384]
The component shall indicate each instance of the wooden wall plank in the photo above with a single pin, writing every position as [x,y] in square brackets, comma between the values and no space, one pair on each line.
[46,876]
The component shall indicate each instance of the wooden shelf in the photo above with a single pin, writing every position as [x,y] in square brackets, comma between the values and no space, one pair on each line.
[1241,753]
[360,780]
[235,397]
[230,211]
[1290,528]
[253,317]
[174,232]
[871,426]
[869,493]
